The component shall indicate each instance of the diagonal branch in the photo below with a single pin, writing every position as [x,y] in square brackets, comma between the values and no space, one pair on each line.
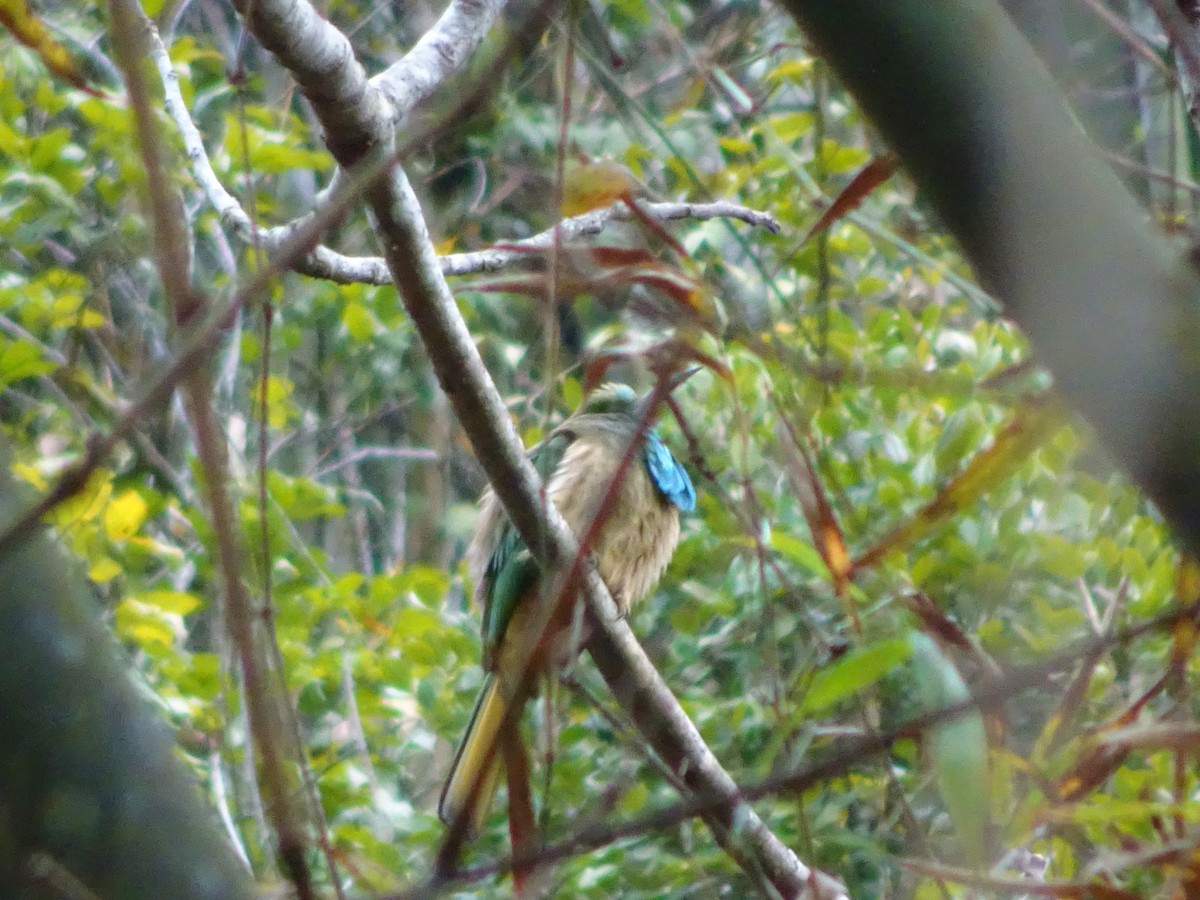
[355,116]
[172,257]
[630,673]
[440,52]
[414,267]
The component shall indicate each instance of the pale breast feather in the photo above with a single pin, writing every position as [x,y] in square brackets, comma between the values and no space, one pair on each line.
[640,532]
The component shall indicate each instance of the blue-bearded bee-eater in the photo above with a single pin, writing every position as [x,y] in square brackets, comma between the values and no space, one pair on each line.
[579,460]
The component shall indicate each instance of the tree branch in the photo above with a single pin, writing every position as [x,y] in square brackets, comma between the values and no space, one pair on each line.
[840,760]
[201,339]
[415,270]
[1185,40]
[226,205]
[328,264]
[172,252]
[356,117]
[440,52]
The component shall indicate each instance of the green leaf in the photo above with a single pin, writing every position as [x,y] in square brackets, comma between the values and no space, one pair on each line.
[22,359]
[792,126]
[851,673]
[143,625]
[302,498]
[801,553]
[957,748]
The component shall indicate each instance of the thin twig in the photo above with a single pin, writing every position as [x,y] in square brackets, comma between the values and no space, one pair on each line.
[359,454]
[1184,38]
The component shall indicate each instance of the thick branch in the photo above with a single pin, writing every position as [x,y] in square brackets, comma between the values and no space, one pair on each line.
[131,41]
[355,116]
[1110,306]
[642,693]
[440,52]
[415,269]
[482,414]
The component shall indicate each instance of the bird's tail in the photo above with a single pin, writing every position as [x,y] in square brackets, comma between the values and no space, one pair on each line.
[475,774]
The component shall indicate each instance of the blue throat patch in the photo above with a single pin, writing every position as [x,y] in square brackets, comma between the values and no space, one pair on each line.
[669,477]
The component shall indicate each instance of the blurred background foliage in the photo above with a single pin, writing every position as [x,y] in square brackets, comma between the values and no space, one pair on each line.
[868,343]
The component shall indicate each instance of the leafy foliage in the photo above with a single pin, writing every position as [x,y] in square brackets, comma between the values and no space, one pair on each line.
[876,454]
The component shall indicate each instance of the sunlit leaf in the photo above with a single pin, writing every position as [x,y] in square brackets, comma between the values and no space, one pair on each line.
[104,569]
[21,359]
[124,515]
[178,603]
[358,321]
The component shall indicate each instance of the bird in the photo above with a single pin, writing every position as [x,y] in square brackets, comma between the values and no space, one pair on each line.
[579,460]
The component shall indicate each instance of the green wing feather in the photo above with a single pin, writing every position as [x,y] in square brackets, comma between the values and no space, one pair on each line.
[511,569]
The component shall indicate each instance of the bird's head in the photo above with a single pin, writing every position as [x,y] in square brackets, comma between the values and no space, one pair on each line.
[613,398]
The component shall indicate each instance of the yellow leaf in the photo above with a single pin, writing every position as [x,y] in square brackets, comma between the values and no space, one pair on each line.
[159,548]
[279,404]
[103,570]
[125,515]
[572,392]
[30,475]
[87,505]
[792,70]
[144,627]
[736,144]
[590,186]
[64,310]
[358,321]
[178,603]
